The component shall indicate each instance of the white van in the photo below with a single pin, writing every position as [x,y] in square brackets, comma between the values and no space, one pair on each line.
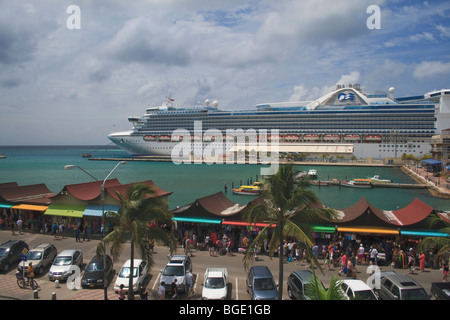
[140,269]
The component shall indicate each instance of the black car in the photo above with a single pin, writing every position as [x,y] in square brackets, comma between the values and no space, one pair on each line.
[10,252]
[298,283]
[95,273]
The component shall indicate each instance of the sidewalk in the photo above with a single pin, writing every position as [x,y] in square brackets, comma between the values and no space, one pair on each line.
[438,185]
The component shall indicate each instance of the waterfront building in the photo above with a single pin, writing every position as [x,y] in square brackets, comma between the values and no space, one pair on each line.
[440,147]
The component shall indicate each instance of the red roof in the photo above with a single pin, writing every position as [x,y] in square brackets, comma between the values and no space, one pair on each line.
[89,190]
[122,189]
[415,212]
[35,193]
[212,206]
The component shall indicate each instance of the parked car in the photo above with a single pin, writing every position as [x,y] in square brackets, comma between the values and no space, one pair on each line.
[95,272]
[440,290]
[62,267]
[41,256]
[396,286]
[10,252]
[353,289]
[215,285]
[260,284]
[140,270]
[176,268]
[298,283]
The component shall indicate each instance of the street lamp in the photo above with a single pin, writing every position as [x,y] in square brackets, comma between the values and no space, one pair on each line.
[102,189]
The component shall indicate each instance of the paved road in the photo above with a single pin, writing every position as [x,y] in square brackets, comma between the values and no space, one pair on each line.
[201,260]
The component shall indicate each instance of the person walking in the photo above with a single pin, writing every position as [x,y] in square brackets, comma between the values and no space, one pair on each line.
[422,259]
[121,292]
[190,284]
[77,233]
[85,234]
[445,272]
[143,293]
[19,225]
[173,286]
[162,290]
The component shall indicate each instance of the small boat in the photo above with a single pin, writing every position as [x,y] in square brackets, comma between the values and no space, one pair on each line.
[312,173]
[247,190]
[376,179]
[299,175]
[319,183]
[356,184]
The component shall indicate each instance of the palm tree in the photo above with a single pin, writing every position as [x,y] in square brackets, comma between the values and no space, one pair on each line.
[442,244]
[137,209]
[288,207]
[316,291]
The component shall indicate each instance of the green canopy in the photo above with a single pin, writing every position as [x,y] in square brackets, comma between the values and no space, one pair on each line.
[65,210]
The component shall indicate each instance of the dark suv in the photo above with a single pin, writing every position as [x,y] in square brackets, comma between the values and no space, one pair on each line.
[10,252]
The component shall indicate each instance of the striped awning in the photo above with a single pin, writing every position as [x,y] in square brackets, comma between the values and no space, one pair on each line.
[65,210]
[96,210]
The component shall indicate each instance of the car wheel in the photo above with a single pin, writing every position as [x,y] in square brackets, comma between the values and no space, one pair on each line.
[40,270]
[289,290]
[6,268]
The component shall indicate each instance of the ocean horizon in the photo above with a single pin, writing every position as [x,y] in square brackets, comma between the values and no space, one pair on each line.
[28,165]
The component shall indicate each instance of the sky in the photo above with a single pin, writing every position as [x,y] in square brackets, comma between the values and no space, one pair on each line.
[72,75]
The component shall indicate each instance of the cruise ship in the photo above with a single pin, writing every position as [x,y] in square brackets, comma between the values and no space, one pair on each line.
[344,121]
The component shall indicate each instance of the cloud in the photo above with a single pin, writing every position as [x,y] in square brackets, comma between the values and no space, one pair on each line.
[430,69]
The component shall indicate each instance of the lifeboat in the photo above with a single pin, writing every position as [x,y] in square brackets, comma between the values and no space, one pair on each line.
[209,138]
[149,138]
[275,137]
[331,137]
[373,138]
[352,137]
[311,137]
[164,138]
[176,138]
[291,137]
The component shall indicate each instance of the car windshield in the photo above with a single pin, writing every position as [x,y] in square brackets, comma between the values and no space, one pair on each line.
[63,261]
[173,271]
[365,295]
[214,283]
[125,272]
[265,284]
[95,266]
[414,294]
[4,252]
[34,255]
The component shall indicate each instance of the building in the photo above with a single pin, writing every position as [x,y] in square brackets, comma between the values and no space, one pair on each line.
[440,147]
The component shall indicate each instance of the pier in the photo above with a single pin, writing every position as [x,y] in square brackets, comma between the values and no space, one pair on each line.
[374,185]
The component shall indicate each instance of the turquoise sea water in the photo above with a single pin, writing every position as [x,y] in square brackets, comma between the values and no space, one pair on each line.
[32,165]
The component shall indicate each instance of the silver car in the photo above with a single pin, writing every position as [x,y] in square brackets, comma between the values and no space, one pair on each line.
[62,267]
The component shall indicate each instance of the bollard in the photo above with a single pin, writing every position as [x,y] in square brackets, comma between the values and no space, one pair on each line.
[56,283]
[36,294]
[53,295]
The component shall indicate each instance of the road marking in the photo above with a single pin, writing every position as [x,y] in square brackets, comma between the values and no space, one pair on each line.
[156,281]
[237,295]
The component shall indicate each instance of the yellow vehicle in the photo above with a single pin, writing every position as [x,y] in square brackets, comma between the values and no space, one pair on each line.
[247,190]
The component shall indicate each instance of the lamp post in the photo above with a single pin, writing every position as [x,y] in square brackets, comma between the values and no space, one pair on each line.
[102,197]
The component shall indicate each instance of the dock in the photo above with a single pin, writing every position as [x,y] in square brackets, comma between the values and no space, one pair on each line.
[374,185]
